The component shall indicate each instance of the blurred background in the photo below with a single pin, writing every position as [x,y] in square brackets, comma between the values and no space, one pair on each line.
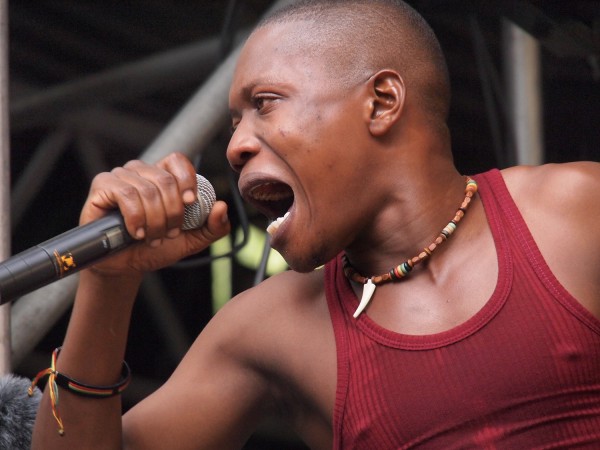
[93,84]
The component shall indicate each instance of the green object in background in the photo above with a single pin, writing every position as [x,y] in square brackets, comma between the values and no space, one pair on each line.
[221,286]
[249,257]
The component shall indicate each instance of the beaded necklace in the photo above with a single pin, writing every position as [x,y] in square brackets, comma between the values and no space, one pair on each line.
[402,270]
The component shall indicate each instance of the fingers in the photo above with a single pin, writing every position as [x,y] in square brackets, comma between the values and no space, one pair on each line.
[178,165]
[216,226]
[150,197]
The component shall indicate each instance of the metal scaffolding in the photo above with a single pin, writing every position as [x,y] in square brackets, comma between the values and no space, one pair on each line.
[5,343]
[522,55]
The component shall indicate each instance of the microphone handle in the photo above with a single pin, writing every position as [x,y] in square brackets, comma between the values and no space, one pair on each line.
[62,255]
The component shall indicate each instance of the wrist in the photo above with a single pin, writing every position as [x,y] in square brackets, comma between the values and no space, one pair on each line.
[105,295]
[106,278]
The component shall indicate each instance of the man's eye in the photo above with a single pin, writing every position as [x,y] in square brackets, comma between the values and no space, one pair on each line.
[263,102]
[259,102]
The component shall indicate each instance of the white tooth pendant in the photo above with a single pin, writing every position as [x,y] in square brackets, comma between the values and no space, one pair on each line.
[368,290]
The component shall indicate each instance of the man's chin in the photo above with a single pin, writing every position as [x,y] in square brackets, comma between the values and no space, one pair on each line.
[305,265]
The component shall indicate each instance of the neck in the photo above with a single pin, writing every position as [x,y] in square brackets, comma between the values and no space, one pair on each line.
[412,217]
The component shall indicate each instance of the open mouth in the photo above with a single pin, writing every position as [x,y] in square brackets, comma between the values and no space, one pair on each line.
[274,200]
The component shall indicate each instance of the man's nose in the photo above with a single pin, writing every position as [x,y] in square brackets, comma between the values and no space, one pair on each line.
[242,147]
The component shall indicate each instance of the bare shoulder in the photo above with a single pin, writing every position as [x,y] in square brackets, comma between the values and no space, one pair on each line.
[561,206]
[262,326]
[279,301]
[566,195]
[556,181]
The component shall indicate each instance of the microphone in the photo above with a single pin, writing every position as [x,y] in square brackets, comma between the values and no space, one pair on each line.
[17,412]
[83,246]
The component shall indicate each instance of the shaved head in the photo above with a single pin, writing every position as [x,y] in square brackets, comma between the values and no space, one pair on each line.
[358,38]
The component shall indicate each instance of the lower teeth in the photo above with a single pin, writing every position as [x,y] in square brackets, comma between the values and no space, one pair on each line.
[274,226]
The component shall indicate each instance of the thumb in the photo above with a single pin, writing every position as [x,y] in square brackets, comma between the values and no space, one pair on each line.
[216,226]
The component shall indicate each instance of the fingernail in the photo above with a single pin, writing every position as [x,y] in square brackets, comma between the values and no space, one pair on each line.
[225,218]
[188,196]
[140,233]
[155,243]
[173,233]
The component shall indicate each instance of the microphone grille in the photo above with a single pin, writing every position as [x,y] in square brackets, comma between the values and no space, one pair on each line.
[196,214]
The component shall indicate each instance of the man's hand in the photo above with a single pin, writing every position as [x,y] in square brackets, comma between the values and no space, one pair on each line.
[151,199]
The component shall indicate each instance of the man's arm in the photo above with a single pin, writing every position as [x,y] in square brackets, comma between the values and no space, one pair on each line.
[215,398]
[151,199]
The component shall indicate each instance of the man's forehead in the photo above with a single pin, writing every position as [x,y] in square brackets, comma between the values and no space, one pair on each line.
[264,61]
[298,54]
[272,48]
[286,37]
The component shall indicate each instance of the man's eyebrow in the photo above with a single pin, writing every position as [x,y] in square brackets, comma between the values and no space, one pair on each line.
[245,92]
[262,81]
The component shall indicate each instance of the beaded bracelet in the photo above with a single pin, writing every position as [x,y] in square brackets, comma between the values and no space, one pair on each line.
[56,379]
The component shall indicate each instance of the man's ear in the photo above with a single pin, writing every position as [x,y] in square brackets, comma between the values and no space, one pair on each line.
[386,101]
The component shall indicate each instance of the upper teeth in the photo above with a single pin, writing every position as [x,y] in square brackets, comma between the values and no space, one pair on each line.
[273,226]
[270,191]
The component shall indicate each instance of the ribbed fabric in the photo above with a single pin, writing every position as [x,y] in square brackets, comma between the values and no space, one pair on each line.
[523,373]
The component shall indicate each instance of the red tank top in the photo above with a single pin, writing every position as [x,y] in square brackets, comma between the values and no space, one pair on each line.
[522,373]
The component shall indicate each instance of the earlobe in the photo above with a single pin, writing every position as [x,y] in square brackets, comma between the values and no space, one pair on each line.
[386,102]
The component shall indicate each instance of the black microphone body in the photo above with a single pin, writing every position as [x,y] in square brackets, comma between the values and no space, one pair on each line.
[62,255]
[83,246]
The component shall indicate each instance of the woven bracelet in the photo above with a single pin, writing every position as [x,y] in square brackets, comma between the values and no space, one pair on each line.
[56,379]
